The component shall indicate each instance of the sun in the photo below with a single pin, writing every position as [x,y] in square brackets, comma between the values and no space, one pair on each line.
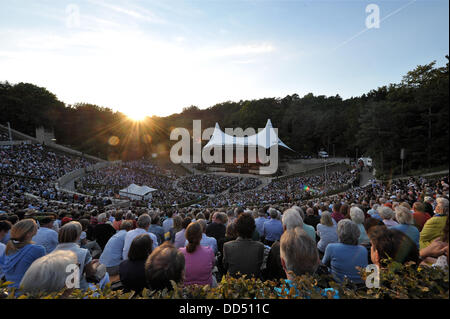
[136,115]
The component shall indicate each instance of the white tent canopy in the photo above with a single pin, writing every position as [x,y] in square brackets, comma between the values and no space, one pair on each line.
[266,138]
[137,192]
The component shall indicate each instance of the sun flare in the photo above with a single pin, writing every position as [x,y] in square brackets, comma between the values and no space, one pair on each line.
[136,115]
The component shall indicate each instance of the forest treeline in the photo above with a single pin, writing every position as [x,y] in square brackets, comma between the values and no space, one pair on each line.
[412,114]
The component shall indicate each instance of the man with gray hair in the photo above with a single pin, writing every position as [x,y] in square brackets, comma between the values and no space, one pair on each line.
[406,224]
[298,253]
[342,258]
[434,226]
[290,219]
[387,215]
[143,224]
[307,228]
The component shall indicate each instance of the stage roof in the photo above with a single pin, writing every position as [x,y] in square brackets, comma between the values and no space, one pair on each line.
[266,138]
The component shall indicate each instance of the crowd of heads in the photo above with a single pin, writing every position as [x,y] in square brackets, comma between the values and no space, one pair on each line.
[277,232]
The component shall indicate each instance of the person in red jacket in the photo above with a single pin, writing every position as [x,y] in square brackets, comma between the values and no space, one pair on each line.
[420,215]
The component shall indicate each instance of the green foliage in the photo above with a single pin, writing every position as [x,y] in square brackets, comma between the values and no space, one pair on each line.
[397,281]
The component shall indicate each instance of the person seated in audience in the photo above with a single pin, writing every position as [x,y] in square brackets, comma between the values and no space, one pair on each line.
[20,251]
[260,220]
[230,235]
[387,214]
[434,226]
[311,218]
[243,255]
[177,225]
[180,239]
[420,215]
[156,229]
[168,222]
[274,270]
[344,257]
[143,223]
[46,236]
[336,214]
[310,230]
[49,274]
[118,218]
[206,241]
[199,260]
[103,231]
[406,224]
[327,231]
[165,264]
[68,236]
[5,227]
[299,256]
[111,256]
[394,244]
[217,228]
[272,229]
[436,253]
[132,270]
[357,216]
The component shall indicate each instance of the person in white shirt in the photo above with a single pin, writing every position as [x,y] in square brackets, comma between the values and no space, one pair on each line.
[143,223]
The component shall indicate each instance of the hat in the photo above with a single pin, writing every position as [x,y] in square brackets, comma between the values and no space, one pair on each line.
[66,220]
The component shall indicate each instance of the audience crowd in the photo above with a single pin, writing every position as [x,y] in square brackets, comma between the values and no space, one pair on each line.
[48,243]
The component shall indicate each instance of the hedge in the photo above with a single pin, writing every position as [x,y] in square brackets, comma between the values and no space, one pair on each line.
[397,281]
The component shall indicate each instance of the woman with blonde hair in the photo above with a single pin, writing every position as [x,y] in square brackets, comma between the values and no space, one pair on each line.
[20,251]
[68,238]
[327,232]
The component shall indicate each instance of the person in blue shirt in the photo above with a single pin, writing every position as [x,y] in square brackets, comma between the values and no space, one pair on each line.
[112,254]
[299,256]
[272,229]
[46,236]
[405,221]
[156,229]
[373,212]
[343,257]
[20,252]
[259,222]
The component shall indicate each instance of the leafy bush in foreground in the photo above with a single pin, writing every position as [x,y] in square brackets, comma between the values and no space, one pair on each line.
[396,282]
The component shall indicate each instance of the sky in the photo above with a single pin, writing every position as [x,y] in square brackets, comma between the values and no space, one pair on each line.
[157,57]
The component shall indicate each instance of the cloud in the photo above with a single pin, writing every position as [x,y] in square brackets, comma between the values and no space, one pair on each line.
[128,69]
[146,15]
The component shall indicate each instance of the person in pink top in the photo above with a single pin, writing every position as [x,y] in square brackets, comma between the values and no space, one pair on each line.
[199,259]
